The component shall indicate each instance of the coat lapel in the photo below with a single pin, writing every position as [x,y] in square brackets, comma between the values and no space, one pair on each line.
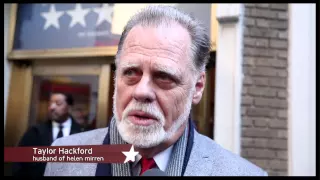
[46,133]
[104,169]
[199,158]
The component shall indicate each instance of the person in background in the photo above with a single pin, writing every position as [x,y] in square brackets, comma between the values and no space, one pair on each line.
[160,73]
[81,117]
[60,124]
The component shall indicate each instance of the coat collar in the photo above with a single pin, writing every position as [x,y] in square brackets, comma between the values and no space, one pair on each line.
[104,169]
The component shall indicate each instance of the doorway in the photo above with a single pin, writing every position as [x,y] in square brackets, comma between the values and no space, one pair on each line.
[90,80]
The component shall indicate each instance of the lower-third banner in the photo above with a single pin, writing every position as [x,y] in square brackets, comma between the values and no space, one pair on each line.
[95,154]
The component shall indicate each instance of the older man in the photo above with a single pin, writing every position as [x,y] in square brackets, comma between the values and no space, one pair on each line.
[160,73]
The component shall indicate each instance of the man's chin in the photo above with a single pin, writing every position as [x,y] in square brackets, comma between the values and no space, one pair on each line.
[57,120]
[141,136]
[54,119]
[144,146]
[142,143]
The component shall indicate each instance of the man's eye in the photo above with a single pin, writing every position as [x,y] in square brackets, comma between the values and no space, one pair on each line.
[130,72]
[164,78]
[131,76]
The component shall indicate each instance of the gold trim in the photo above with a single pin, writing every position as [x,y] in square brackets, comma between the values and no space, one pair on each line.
[103,96]
[12,26]
[18,104]
[76,61]
[63,53]
[66,70]
[214,27]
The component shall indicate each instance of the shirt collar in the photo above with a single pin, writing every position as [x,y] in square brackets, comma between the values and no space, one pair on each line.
[67,123]
[161,159]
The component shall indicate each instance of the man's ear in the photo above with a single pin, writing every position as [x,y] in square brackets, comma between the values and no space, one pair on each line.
[200,85]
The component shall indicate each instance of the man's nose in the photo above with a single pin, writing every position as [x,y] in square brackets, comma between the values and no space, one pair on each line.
[52,106]
[144,91]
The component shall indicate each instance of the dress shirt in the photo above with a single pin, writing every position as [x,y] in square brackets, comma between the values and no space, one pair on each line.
[66,128]
[161,159]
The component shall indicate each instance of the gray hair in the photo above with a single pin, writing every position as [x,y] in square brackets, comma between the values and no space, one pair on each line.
[165,15]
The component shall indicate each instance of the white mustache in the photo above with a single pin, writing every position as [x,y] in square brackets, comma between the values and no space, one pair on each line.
[144,107]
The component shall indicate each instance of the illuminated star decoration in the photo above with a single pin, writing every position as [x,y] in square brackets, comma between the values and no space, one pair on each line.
[78,15]
[105,13]
[52,17]
[130,155]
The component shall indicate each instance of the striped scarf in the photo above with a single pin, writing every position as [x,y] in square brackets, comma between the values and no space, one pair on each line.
[176,161]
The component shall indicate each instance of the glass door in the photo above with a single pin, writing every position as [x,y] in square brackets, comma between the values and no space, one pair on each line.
[89,84]
[83,89]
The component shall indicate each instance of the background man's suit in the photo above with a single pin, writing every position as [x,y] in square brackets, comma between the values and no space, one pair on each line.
[39,135]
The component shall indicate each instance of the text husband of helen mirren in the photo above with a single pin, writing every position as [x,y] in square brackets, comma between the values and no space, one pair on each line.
[160,73]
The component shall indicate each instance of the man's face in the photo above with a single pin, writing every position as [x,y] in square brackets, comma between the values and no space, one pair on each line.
[58,108]
[154,85]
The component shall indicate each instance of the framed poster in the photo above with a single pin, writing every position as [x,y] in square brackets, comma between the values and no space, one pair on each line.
[40,31]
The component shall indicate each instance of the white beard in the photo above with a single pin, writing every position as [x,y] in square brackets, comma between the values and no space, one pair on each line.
[152,135]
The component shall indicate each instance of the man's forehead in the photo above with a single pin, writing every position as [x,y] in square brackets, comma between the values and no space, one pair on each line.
[148,42]
[155,65]
[58,96]
[174,35]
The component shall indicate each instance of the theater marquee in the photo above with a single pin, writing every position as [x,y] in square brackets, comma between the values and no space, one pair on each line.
[81,30]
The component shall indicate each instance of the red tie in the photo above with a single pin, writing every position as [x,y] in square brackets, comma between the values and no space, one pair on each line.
[147,164]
